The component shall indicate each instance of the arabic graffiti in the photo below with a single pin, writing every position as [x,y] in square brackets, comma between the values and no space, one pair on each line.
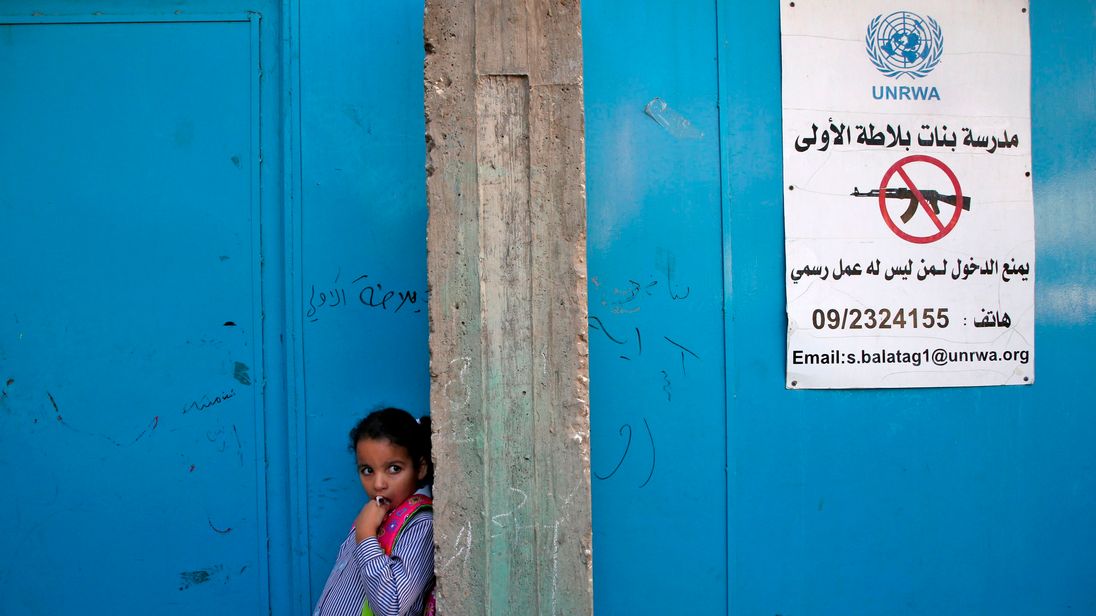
[206,402]
[627,298]
[627,448]
[894,136]
[635,345]
[1007,270]
[367,292]
[656,353]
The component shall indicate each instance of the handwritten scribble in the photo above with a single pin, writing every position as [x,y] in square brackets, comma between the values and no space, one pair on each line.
[369,294]
[462,546]
[630,294]
[239,445]
[627,428]
[684,350]
[670,282]
[596,323]
[205,402]
[56,409]
[217,436]
[219,531]
[152,425]
[627,446]
[651,437]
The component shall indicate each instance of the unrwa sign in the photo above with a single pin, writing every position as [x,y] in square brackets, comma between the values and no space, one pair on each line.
[905,93]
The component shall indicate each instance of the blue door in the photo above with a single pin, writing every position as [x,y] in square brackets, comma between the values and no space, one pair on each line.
[132,337]
[656,297]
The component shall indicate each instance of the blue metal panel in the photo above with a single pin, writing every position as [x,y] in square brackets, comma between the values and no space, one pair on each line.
[911,502]
[363,243]
[871,502]
[131,322]
[656,332]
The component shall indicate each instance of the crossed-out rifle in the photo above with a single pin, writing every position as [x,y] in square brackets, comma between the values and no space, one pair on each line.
[933,197]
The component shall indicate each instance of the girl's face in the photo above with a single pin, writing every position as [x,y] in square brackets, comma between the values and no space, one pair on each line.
[386,470]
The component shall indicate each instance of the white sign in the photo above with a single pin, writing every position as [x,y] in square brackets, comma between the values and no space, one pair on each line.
[908,220]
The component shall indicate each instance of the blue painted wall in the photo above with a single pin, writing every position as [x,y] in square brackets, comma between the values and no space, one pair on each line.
[888,502]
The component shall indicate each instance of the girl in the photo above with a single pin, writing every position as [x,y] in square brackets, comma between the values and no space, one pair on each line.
[386,565]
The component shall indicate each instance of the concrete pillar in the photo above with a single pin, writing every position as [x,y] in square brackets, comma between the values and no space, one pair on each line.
[507,273]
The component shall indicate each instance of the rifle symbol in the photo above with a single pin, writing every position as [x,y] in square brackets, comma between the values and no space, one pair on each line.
[933,197]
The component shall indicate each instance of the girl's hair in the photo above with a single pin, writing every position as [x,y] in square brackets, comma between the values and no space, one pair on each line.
[400,428]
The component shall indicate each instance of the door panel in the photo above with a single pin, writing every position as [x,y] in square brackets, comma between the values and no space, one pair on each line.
[656,299]
[131,315]
[363,244]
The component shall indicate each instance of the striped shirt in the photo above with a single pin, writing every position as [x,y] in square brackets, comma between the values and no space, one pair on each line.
[394,586]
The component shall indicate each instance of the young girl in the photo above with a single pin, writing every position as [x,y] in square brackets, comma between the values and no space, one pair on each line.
[386,565]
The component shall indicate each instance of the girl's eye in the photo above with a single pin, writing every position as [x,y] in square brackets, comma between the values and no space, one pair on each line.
[395,468]
[365,470]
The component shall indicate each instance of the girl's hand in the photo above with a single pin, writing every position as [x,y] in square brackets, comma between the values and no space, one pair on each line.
[369,519]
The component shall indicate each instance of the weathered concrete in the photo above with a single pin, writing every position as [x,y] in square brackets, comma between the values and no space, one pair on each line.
[507,271]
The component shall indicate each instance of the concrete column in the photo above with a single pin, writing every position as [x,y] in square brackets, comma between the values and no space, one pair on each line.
[507,273]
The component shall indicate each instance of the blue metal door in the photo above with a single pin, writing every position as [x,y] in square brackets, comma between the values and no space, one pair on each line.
[656,308]
[132,340]
[362,252]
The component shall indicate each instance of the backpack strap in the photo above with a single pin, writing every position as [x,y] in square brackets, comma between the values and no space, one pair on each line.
[397,519]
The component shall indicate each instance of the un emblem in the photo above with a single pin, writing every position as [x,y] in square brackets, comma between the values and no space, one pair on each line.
[904,43]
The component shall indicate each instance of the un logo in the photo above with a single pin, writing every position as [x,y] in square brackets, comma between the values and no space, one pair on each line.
[904,43]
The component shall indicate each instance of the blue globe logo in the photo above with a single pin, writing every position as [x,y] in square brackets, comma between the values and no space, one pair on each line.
[904,43]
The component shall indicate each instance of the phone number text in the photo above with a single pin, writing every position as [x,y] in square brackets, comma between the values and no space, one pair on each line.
[880,318]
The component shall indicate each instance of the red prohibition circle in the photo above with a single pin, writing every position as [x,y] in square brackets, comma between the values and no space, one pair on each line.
[942,228]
